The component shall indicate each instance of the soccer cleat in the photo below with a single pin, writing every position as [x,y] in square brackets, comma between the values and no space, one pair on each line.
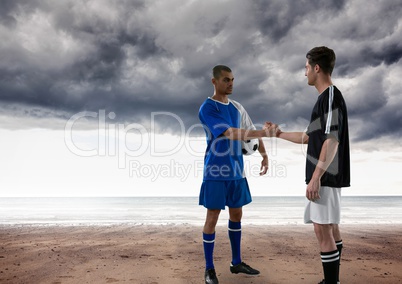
[210,277]
[243,268]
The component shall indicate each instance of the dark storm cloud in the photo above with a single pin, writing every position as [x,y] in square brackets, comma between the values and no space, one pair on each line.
[6,7]
[275,18]
[389,54]
[138,57]
[27,82]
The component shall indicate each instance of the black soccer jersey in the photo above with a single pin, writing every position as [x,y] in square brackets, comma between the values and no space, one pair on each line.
[329,118]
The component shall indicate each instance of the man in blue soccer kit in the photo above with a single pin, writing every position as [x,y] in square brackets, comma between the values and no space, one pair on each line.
[327,160]
[224,183]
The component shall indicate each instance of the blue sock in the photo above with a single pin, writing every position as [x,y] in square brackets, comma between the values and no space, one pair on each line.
[235,240]
[209,243]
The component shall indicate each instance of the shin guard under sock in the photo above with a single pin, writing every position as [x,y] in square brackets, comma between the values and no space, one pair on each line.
[234,229]
[330,264]
[339,246]
[209,244]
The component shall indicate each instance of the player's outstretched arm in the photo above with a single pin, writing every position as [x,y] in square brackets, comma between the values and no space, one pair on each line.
[247,134]
[295,137]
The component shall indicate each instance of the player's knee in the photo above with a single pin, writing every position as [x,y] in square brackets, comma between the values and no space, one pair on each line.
[235,214]
[323,231]
[212,217]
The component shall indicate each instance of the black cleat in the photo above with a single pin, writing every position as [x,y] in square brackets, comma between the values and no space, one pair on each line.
[243,268]
[210,277]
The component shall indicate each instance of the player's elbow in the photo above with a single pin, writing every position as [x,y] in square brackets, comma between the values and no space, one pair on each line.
[304,139]
[332,142]
[230,133]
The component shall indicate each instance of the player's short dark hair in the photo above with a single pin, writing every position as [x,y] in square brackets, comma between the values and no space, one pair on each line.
[324,57]
[216,71]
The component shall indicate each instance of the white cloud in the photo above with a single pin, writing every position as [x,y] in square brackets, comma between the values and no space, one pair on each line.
[38,162]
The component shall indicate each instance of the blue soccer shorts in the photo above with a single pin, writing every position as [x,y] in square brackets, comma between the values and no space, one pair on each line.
[230,193]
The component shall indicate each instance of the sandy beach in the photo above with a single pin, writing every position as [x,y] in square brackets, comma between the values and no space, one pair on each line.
[173,254]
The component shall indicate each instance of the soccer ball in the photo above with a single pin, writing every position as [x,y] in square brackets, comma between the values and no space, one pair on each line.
[248,147]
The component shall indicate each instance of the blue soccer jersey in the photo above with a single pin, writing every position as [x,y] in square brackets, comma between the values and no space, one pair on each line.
[223,157]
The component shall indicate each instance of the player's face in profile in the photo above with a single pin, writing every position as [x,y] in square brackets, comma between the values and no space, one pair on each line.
[310,74]
[224,85]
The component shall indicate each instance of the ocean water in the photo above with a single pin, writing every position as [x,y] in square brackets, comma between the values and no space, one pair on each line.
[184,210]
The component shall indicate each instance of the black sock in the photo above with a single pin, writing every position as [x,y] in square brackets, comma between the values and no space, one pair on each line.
[330,264]
[339,246]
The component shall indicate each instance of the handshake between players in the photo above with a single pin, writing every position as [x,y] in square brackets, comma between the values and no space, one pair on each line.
[271,129]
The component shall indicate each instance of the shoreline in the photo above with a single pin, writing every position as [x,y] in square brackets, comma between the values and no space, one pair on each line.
[174,254]
[221,223]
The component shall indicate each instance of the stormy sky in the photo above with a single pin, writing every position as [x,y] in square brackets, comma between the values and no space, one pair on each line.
[134,58]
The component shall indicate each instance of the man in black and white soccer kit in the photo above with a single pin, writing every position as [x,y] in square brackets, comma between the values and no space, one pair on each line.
[327,161]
